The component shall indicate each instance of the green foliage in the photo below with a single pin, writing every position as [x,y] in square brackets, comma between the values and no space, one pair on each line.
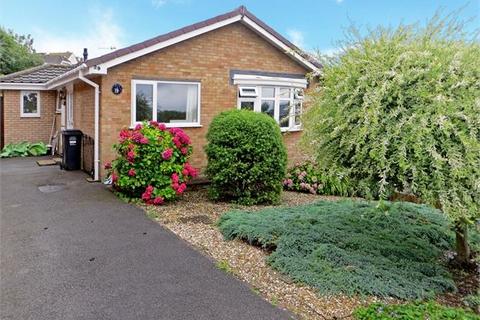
[412,311]
[23,149]
[224,266]
[246,157]
[152,163]
[473,302]
[352,247]
[16,52]
[399,110]
[310,178]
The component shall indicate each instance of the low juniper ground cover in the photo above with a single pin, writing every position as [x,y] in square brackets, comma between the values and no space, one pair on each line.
[352,247]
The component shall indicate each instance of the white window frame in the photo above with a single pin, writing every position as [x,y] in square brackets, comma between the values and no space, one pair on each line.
[244,94]
[154,83]
[30,115]
[276,113]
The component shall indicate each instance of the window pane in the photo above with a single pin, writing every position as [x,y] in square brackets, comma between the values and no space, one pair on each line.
[298,112]
[284,93]
[247,92]
[144,102]
[177,102]
[30,103]
[268,107]
[247,105]
[284,113]
[268,92]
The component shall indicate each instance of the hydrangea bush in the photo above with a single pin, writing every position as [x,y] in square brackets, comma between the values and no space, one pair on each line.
[152,163]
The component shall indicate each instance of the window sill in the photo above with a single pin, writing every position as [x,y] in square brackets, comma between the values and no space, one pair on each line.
[172,125]
[284,130]
[30,116]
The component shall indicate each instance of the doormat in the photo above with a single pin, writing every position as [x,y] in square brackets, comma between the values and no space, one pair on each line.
[47,162]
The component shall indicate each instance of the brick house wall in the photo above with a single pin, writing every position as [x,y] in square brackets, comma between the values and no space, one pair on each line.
[84,108]
[18,129]
[207,58]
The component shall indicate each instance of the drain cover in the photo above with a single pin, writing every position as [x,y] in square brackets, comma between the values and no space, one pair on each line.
[49,188]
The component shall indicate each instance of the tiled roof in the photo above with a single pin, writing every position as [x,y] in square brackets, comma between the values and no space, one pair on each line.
[59,58]
[40,74]
[239,11]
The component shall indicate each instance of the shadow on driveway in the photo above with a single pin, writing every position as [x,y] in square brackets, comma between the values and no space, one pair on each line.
[72,250]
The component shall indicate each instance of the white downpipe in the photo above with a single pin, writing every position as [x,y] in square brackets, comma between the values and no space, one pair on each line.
[96,161]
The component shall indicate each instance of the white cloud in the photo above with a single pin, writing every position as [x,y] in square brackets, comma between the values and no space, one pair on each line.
[297,37]
[330,51]
[158,3]
[339,1]
[99,38]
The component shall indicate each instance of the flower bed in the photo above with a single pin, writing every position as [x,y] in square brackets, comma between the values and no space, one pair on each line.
[309,178]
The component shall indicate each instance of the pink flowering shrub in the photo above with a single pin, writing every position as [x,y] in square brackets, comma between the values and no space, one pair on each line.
[152,163]
[309,178]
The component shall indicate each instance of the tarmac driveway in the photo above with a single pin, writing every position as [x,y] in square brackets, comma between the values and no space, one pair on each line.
[72,250]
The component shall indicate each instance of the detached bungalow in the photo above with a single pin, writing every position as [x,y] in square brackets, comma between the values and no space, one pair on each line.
[182,78]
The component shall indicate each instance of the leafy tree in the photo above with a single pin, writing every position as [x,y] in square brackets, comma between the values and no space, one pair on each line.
[16,52]
[398,111]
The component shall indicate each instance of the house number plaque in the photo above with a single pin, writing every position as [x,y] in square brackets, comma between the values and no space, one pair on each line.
[117,88]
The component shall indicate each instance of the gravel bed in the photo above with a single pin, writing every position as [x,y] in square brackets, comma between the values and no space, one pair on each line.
[193,219]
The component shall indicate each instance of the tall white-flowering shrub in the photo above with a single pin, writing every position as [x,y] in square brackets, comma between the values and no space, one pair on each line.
[399,111]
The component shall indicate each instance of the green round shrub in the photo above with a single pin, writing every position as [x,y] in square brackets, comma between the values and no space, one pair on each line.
[246,158]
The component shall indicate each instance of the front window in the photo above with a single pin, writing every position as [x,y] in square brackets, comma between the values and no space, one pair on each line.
[30,104]
[173,103]
[284,104]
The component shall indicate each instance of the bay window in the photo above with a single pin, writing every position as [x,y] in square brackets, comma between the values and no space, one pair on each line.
[284,104]
[175,103]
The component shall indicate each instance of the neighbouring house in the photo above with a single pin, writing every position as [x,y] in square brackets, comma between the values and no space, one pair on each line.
[65,58]
[183,79]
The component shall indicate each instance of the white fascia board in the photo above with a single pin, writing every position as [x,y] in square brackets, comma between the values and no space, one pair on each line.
[102,67]
[65,78]
[63,81]
[280,44]
[22,86]
[247,79]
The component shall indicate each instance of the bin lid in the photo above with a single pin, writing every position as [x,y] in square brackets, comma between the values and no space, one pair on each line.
[72,132]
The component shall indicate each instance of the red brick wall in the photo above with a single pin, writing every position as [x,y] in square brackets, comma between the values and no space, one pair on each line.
[207,58]
[19,129]
[84,108]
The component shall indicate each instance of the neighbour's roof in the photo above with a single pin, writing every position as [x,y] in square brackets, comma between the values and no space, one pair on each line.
[59,57]
[39,74]
[242,10]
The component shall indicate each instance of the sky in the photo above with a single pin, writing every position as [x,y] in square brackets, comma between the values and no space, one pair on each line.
[310,24]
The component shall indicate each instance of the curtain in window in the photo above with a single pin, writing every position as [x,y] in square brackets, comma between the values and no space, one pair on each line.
[192,103]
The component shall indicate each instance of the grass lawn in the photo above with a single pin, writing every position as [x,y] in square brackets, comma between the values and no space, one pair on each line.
[352,247]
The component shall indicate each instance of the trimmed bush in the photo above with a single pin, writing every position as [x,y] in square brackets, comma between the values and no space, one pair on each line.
[352,247]
[412,311]
[246,158]
[309,178]
[152,163]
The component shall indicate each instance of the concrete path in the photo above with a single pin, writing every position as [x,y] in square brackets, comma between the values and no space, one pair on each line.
[72,250]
